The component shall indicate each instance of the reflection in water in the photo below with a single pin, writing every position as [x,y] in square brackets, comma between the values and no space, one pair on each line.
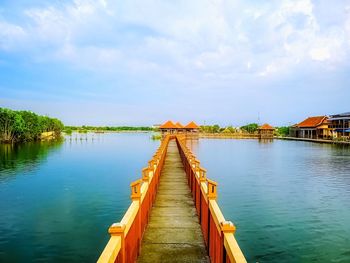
[265,140]
[61,197]
[288,199]
[25,156]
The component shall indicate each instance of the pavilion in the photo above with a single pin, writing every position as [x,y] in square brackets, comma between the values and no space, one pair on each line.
[266,131]
[171,127]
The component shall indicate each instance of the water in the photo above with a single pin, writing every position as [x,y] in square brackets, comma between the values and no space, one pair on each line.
[57,199]
[290,200]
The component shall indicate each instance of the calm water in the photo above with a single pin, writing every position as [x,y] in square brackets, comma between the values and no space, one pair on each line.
[289,200]
[58,199]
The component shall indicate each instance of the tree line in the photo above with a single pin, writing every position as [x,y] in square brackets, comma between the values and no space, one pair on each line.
[85,128]
[249,128]
[21,126]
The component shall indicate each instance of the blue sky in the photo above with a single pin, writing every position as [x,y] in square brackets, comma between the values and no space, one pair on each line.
[141,62]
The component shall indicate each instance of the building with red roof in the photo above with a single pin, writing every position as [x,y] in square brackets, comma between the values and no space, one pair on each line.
[192,127]
[179,125]
[266,131]
[170,127]
[316,127]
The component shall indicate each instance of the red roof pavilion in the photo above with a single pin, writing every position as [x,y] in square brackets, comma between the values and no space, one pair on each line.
[191,125]
[168,125]
[179,125]
[266,127]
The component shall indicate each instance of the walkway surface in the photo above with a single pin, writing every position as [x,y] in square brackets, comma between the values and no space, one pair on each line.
[173,233]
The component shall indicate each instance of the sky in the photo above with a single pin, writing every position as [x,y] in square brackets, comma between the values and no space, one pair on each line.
[142,62]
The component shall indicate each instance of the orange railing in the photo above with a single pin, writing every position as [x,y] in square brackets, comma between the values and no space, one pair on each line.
[125,241]
[218,233]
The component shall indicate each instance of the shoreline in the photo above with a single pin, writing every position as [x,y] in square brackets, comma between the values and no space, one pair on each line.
[313,140]
[227,136]
[107,131]
[256,136]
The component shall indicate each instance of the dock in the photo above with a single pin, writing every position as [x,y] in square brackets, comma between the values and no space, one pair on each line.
[173,233]
[347,143]
[173,216]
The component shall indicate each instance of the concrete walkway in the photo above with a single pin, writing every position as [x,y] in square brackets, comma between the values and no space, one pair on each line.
[173,233]
[347,143]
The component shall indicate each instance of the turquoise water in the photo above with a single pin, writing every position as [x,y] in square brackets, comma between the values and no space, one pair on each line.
[57,199]
[289,200]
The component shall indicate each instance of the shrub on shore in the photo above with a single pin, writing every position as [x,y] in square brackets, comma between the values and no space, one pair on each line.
[19,126]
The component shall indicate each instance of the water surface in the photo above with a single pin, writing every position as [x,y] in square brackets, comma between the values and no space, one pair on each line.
[290,200]
[57,199]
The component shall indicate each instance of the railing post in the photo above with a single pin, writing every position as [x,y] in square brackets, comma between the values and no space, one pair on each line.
[136,190]
[212,194]
[145,174]
[227,227]
[155,158]
[202,179]
[202,175]
[150,194]
[136,196]
[151,166]
[117,229]
[190,161]
[196,165]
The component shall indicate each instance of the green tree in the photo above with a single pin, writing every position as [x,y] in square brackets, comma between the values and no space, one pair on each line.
[216,128]
[11,125]
[31,127]
[251,128]
[25,125]
[283,131]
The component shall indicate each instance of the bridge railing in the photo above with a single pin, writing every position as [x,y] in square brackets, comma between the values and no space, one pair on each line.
[218,233]
[125,241]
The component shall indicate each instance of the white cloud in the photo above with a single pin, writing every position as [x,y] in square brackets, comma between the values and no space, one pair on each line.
[320,54]
[10,35]
[90,57]
[196,38]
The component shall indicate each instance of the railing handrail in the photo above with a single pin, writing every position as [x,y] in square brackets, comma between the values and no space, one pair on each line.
[140,191]
[208,190]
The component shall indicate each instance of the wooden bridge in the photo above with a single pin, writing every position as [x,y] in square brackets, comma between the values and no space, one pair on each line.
[173,216]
